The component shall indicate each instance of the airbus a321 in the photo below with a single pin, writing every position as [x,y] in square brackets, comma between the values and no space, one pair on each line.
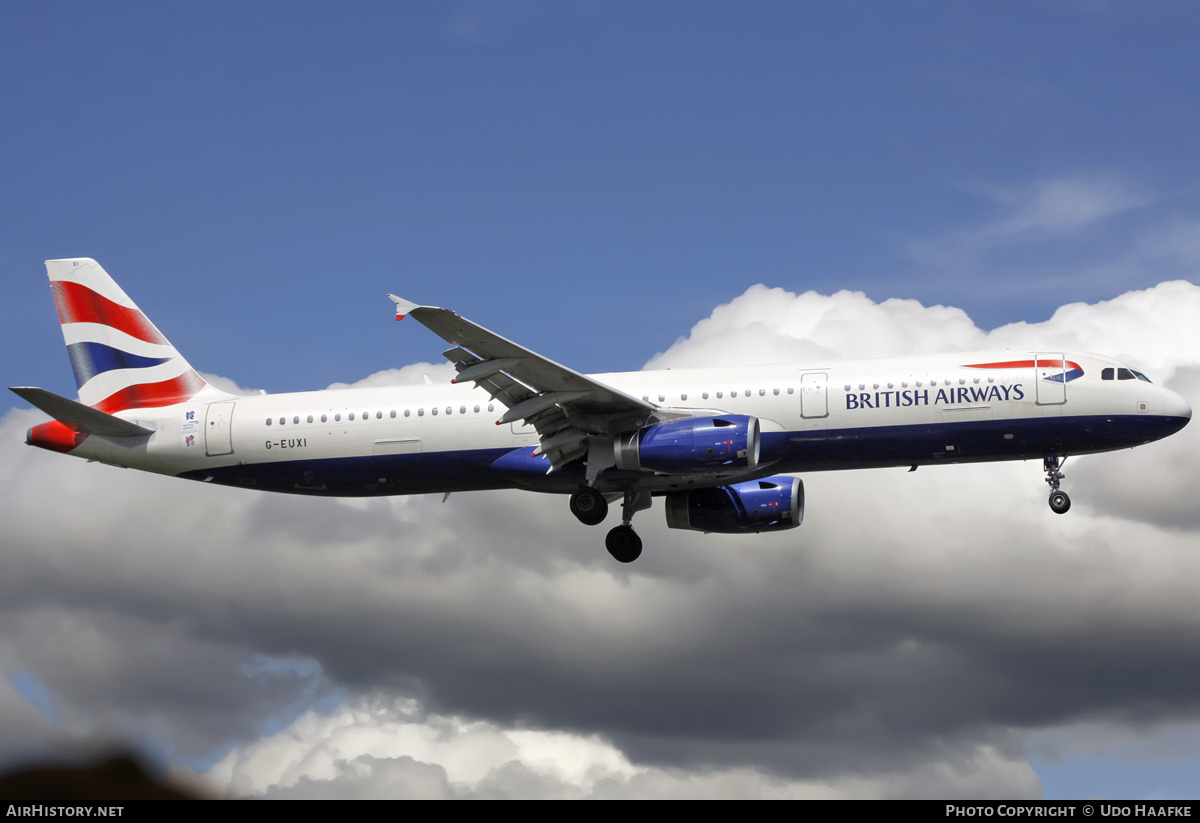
[720,446]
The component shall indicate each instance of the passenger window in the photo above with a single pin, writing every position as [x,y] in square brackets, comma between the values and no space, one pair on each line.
[268,421]
[420,412]
[775,392]
[763,392]
[296,420]
[379,415]
[705,395]
[491,407]
[683,396]
[433,411]
[337,418]
[310,418]
[462,409]
[477,408]
[282,420]
[407,412]
[392,414]
[351,415]
[324,418]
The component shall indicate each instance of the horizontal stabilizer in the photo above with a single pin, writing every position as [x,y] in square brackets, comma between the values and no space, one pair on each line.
[78,417]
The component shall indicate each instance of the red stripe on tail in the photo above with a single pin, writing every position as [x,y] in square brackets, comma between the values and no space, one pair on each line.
[79,304]
[152,395]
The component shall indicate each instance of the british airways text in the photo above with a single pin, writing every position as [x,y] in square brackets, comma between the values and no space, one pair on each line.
[925,397]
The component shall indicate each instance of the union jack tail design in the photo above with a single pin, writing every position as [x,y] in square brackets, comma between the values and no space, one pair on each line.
[121,360]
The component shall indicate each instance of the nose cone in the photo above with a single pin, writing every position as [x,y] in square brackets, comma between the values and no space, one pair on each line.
[1176,407]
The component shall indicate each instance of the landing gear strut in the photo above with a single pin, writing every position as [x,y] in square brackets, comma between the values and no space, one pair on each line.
[589,506]
[1059,501]
[623,542]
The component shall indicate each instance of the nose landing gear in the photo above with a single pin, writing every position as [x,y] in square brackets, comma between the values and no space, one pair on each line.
[1060,503]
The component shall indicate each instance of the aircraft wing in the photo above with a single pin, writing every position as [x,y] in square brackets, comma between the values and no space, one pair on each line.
[562,404]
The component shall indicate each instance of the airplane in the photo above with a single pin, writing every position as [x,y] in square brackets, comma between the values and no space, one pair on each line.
[721,446]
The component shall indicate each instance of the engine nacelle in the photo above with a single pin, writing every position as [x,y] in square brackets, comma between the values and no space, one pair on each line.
[772,504]
[693,445]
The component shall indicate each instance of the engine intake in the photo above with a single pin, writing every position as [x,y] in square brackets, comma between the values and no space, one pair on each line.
[691,446]
[772,504]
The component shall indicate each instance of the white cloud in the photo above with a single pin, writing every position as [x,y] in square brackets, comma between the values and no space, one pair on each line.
[767,325]
[412,375]
[1062,205]
[227,385]
[386,749]
[1155,328]
[1052,237]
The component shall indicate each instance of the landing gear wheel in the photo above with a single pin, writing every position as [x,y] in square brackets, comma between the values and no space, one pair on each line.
[1059,502]
[624,544]
[589,506]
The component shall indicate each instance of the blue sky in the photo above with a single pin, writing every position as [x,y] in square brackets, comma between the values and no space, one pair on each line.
[589,178]
[283,166]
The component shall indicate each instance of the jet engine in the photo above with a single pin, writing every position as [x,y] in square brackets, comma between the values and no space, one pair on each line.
[694,445]
[772,504]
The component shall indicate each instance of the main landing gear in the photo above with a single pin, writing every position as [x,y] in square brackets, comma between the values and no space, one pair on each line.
[1059,501]
[589,506]
[622,542]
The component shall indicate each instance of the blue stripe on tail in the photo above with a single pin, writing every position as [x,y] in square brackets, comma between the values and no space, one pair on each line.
[91,359]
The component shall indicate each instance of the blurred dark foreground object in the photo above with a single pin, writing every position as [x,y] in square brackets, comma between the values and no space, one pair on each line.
[116,777]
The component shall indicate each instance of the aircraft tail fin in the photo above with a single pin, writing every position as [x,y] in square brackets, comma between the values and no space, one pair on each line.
[121,360]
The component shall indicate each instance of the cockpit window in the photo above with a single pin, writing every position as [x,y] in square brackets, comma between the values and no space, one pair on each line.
[1123,374]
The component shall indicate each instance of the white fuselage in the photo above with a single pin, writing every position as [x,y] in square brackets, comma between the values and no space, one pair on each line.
[864,413]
